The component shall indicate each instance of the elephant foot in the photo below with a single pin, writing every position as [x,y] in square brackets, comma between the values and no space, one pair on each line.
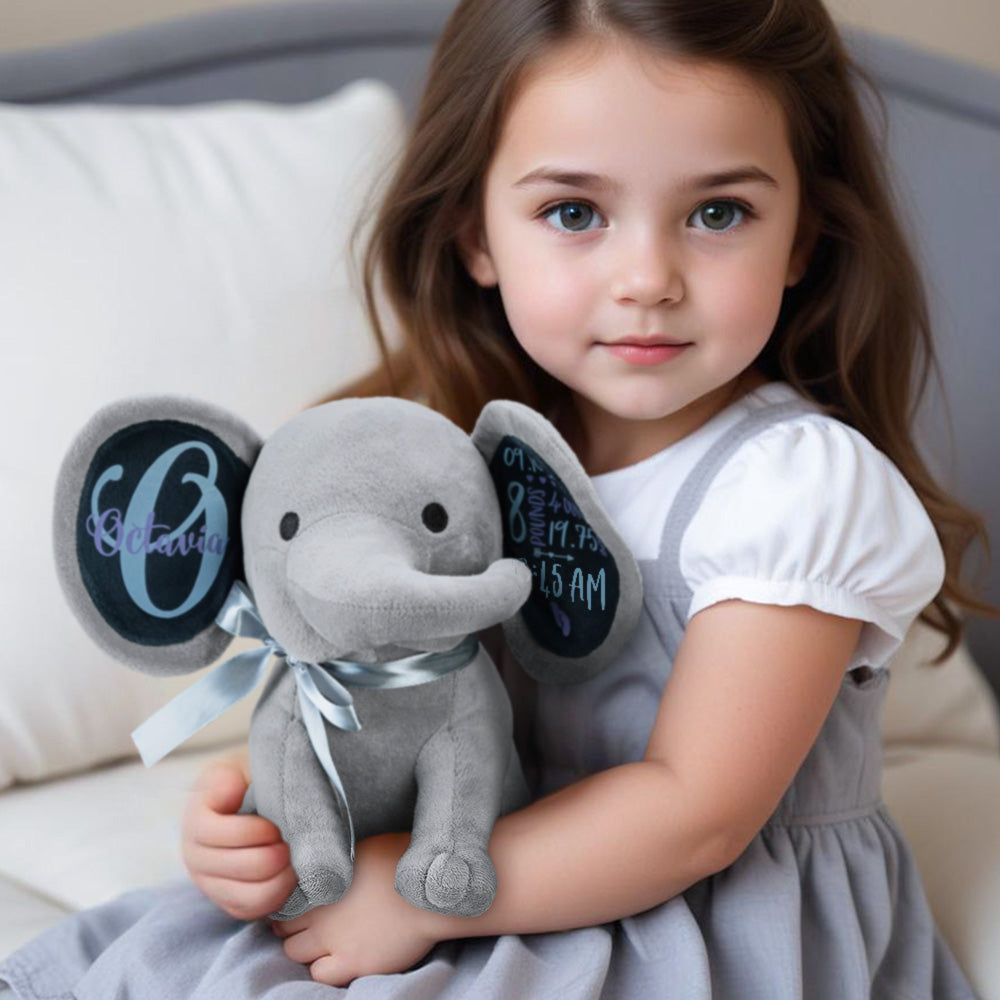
[296,904]
[317,887]
[460,883]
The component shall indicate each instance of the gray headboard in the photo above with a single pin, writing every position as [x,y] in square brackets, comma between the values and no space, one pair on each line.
[943,144]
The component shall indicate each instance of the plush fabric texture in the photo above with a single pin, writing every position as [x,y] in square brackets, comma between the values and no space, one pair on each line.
[201,250]
[90,553]
[549,502]
[371,532]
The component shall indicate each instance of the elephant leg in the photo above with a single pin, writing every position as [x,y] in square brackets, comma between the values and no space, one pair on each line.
[516,794]
[297,903]
[460,776]
[291,789]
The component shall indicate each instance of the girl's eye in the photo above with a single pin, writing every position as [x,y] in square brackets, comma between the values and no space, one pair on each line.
[718,213]
[571,214]
[574,216]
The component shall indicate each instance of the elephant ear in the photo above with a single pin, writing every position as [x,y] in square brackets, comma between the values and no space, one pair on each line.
[146,528]
[586,589]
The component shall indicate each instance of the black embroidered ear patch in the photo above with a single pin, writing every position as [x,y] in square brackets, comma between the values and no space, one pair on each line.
[158,530]
[575,586]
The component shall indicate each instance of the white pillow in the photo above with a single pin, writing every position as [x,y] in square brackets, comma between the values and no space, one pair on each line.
[951,705]
[198,250]
[946,802]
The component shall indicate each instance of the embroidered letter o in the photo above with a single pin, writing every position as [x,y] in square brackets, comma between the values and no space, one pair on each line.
[141,508]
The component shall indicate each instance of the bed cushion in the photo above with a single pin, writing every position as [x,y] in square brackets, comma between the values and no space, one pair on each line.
[946,800]
[83,839]
[950,705]
[200,250]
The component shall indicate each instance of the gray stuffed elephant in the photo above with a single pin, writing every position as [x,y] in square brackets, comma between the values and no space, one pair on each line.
[375,539]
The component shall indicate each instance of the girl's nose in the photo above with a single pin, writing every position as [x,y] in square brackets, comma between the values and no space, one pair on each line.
[647,271]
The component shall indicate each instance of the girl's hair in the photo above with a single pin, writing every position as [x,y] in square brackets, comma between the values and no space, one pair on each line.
[853,334]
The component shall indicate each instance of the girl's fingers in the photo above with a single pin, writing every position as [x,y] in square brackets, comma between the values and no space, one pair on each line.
[248,900]
[244,864]
[285,928]
[304,947]
[214,829]
[221,786]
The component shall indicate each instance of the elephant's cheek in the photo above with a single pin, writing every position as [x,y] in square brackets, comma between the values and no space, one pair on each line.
[282,617]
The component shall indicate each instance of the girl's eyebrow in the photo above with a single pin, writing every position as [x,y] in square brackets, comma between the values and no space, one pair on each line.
[600,182]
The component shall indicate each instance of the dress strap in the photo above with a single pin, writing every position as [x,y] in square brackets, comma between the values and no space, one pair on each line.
[694,487]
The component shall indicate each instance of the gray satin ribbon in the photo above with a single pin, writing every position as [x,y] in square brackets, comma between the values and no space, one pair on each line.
[320,688]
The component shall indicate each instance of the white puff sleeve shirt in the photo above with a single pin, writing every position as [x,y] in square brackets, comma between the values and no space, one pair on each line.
[810,512]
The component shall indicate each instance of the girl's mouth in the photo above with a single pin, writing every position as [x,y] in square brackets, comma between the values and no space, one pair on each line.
[646,354]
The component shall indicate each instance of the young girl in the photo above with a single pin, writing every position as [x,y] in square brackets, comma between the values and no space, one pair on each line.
[663,224]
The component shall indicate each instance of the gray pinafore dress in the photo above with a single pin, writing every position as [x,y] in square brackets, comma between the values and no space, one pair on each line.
[826,902]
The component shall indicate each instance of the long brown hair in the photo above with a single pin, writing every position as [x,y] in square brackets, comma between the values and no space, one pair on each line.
[853,334]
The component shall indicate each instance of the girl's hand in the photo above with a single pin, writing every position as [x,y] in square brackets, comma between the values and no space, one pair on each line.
[370,930]
[239,862]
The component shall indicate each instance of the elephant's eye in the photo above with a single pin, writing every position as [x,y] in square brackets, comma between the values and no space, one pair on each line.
[289,525]
[435,517]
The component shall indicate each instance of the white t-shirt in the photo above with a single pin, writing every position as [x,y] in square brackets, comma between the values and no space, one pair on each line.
[808,511]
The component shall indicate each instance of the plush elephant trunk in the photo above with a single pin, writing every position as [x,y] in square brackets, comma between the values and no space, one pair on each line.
[362,587]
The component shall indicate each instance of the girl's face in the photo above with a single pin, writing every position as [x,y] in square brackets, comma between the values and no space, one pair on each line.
[601,224]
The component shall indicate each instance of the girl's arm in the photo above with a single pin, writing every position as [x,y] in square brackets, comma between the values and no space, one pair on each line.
[750,689]
[609,845]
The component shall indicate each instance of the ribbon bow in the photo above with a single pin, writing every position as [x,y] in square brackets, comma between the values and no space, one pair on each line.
[320,688]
